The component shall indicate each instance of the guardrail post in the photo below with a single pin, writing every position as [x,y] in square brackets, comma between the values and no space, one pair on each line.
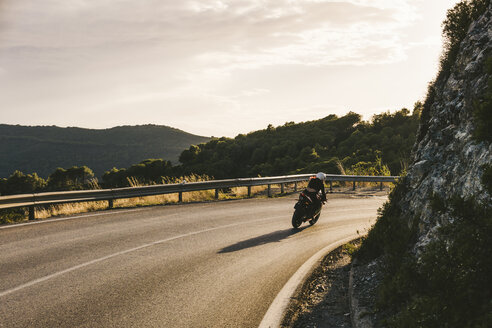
[28,202]
[216,193]
[32,213]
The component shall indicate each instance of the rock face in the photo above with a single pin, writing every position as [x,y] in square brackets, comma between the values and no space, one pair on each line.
[448,161]
[447,168]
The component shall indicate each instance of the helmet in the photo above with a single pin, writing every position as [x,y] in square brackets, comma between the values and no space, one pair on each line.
[321,176]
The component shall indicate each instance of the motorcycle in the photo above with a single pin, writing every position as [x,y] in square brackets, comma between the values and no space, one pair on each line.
[305,210]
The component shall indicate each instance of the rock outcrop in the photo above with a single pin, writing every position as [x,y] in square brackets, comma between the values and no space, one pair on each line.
[432,253]
[448,161]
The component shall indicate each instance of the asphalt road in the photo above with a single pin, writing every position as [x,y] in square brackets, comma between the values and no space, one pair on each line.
[217,264]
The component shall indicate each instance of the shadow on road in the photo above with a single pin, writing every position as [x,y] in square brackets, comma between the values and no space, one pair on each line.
[272,237]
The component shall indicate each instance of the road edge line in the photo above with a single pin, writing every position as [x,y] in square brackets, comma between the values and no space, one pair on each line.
[126,251]
[275,313]
[67,218]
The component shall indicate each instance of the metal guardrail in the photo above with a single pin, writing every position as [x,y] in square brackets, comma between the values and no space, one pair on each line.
[53,198]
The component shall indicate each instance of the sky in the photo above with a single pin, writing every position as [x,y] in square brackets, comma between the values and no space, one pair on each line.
[213,67]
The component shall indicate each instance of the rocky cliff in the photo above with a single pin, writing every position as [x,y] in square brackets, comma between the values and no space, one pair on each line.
[430,251]
[448,161]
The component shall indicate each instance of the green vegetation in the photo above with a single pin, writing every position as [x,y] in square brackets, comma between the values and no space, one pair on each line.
[331,144]
[450,285]
[147,172]
[391,234]
[80,178]
[20,183]
[455,27]
[346,145]
[42,149]
[482,112]
[453,285]
[75,178]
[487,178]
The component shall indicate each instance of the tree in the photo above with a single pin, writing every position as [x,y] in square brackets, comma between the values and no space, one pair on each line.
[74,178]
[20,183]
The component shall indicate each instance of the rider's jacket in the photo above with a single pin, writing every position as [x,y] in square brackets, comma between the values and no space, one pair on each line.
[315,185]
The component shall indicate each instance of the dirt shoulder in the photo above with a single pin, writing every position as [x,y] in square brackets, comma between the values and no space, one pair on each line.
[323,300]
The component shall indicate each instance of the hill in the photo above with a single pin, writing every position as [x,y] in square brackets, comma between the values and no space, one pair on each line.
[329,144]
[42,149]
[333,144]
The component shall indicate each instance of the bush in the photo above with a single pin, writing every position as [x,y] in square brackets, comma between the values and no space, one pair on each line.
[455,27]
[370,168]
[452,284]
[12,215]
[487,178]
[74,178]
[20,183]
[330,166]
[482,111]
[390,235]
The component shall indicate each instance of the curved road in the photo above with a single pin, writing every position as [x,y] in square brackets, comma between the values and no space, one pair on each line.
[216,264]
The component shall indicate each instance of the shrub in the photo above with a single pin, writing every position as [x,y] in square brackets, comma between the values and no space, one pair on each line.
[390,235]
[487,178]
[12,215]
[451,286]
[455,27]
[74,178]
[20,183]
[482,111]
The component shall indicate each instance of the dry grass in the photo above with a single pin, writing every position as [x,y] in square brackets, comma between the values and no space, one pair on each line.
[69,208]
[43,212]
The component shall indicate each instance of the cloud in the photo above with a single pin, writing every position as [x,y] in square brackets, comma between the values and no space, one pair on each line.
[253,92]
[168,57]
[173,29]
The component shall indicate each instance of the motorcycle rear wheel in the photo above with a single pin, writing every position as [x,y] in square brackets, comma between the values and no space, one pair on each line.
[297,218]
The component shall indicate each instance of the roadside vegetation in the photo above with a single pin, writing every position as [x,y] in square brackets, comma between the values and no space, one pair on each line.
[337,145]
[331,144]
[450,285]
[482,112]
[43,212]
[455,27]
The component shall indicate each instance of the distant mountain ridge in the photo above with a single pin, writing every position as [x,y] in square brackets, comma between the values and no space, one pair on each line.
[42,149]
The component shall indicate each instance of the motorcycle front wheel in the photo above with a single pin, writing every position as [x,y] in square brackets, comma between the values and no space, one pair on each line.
[315,219]
[297,218]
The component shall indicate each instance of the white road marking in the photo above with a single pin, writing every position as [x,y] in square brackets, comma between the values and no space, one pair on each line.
[69,218]
[275,313]
[59,273]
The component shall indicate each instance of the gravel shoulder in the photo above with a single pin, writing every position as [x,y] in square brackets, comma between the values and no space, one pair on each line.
[323,300]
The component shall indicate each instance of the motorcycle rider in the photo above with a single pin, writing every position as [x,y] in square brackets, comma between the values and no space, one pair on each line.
[315,185]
